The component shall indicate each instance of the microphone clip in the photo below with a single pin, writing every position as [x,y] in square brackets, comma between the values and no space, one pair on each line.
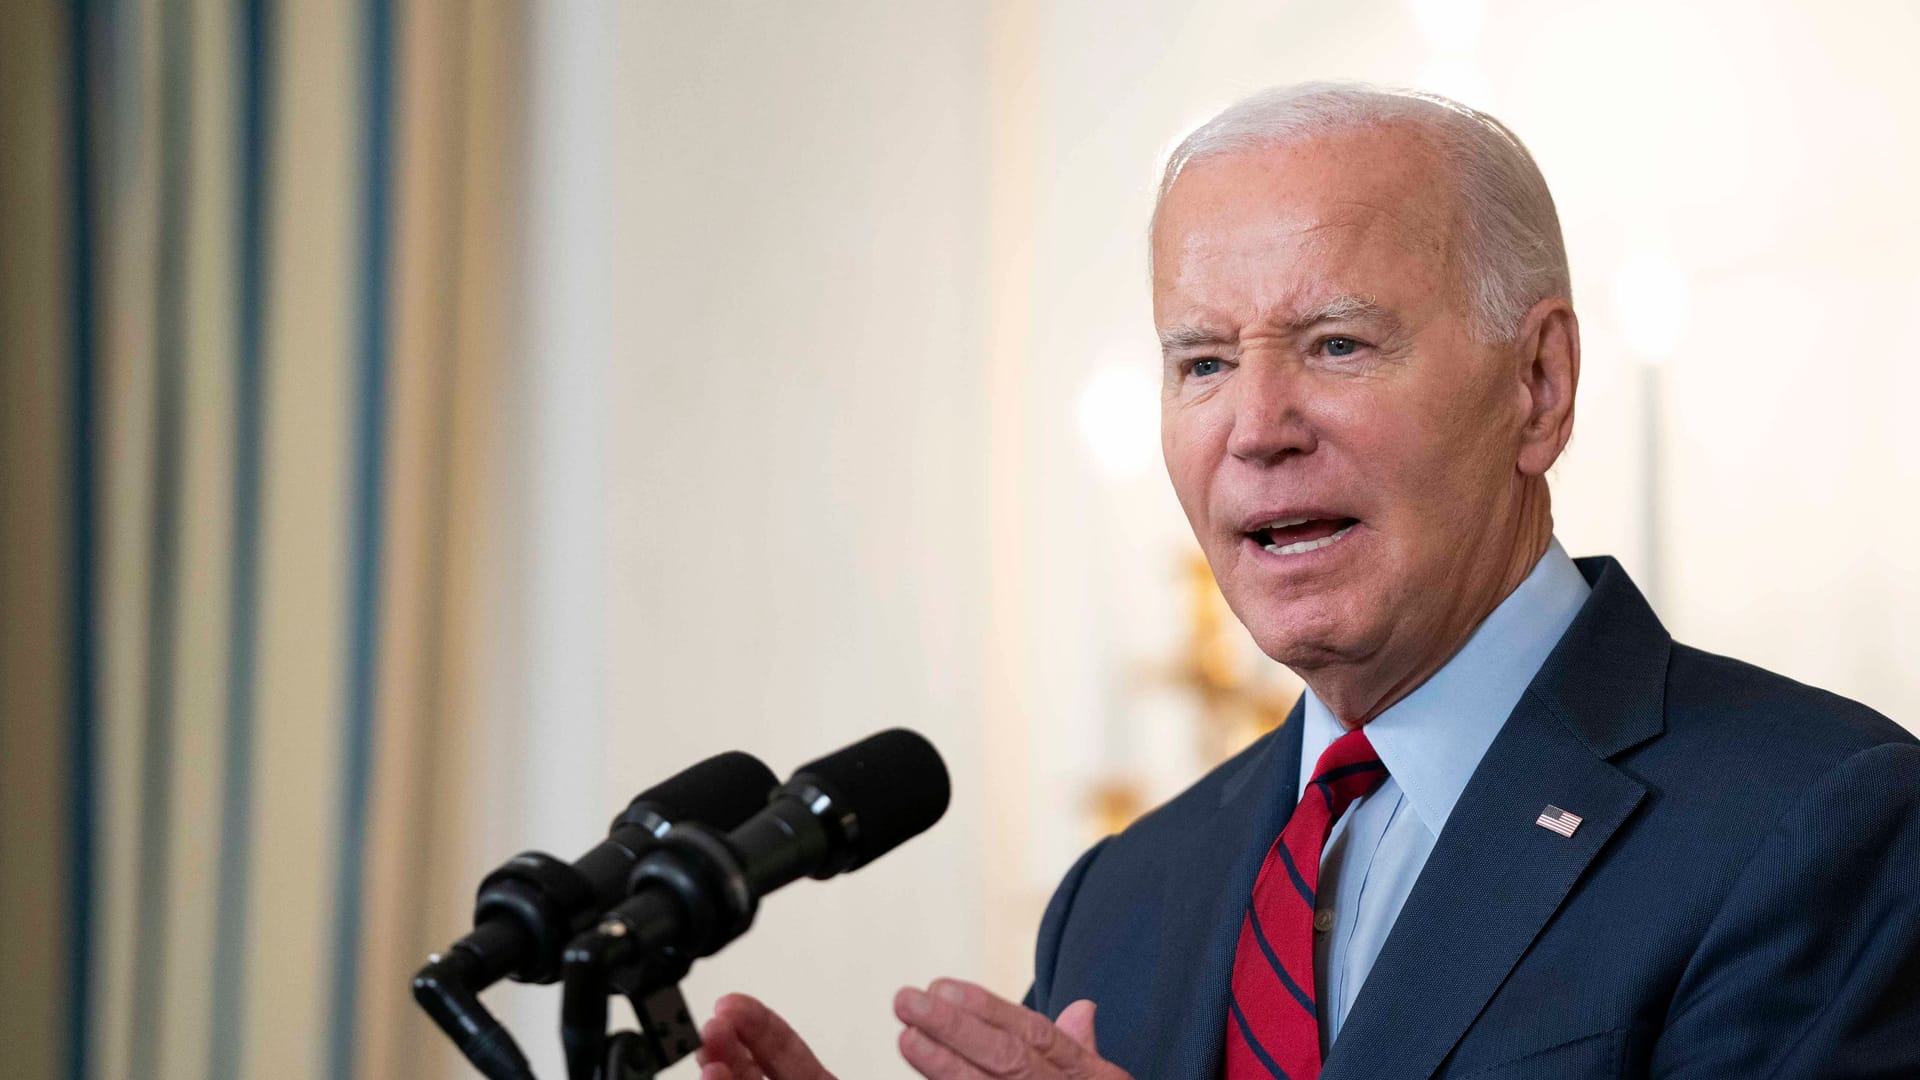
[692,890]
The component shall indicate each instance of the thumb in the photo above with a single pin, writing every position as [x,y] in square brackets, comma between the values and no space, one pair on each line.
[1077,1021]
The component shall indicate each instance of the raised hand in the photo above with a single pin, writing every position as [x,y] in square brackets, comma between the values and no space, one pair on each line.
[745,1040]
[959,1031]
[955,1030]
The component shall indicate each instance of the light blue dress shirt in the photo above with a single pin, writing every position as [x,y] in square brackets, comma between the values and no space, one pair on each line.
[1431,741]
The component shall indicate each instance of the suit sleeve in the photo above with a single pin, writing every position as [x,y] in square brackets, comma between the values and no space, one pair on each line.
[1052,925]
[1811,968]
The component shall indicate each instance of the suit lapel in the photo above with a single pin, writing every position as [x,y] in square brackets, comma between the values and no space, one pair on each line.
[1494,877]
[1204,894]
[1493,880]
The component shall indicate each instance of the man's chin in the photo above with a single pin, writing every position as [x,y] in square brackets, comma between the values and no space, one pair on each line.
[1307,640]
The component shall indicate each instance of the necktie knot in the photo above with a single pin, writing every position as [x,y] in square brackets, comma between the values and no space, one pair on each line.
[1348,769]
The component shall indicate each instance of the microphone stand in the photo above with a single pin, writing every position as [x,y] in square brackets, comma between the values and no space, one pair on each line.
[692,887]
[595,968]
[535,898]
[690,895]
[599,965]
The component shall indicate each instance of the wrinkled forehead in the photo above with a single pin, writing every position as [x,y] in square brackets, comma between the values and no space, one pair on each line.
[1367,211]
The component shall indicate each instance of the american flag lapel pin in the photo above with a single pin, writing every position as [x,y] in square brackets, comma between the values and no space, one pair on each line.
[1557,820]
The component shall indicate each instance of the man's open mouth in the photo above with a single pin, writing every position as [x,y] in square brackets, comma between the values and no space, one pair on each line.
[1299,535]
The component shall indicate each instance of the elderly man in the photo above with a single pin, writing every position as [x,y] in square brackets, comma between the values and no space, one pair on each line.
[1512,829]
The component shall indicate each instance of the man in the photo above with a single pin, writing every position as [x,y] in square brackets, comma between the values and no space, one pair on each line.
[1512,829]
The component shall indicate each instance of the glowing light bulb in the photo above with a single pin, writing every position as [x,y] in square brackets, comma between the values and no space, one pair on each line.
[1118,411]
[1650,304]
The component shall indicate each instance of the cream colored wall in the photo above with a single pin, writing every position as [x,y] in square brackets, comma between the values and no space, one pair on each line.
[771,404]
[867,260]
[795,477]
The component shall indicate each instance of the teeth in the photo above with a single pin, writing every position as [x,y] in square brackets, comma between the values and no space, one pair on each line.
[1304,546]
[1286,523]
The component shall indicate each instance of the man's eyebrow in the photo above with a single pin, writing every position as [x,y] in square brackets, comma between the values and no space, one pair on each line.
[1187,337]
[1350,306]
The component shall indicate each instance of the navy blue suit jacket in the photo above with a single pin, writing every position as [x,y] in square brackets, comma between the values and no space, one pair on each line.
[1741,900]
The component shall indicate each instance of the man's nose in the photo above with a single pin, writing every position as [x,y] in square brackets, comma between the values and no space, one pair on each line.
[1269,417]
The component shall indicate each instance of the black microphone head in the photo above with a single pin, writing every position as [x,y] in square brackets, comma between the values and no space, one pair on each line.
[722,792]
[885,789]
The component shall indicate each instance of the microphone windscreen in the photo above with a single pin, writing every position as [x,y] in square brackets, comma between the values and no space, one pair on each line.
[894,784]
[722,791]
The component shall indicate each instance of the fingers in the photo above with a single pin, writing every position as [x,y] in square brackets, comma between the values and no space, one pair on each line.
[775,1049]
[935,1061]
[991,1007]
[990,1035]
[722,1056]
[945,1024]
[955,1031]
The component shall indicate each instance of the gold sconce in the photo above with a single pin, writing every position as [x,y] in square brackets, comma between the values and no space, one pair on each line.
[1237,702]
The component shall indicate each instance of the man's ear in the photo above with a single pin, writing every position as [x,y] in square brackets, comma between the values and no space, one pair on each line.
[1549,364]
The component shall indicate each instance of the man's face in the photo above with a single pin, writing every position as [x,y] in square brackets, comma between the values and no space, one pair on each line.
[1342,445]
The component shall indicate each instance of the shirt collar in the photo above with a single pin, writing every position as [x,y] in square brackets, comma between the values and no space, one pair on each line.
[1432,739]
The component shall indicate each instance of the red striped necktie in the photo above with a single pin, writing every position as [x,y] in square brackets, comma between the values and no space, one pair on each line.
[1273,1032]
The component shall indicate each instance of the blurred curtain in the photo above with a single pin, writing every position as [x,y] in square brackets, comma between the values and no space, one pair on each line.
[257,292]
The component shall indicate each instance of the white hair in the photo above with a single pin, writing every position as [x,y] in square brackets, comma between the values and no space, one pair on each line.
[1506,244]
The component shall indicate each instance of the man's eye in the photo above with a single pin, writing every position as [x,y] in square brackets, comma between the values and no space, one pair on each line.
[1205,366]
[1340,346]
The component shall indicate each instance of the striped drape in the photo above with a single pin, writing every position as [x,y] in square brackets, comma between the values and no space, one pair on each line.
[257,290]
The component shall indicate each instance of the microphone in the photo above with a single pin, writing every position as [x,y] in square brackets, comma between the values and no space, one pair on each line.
[699,889]
[529,907]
